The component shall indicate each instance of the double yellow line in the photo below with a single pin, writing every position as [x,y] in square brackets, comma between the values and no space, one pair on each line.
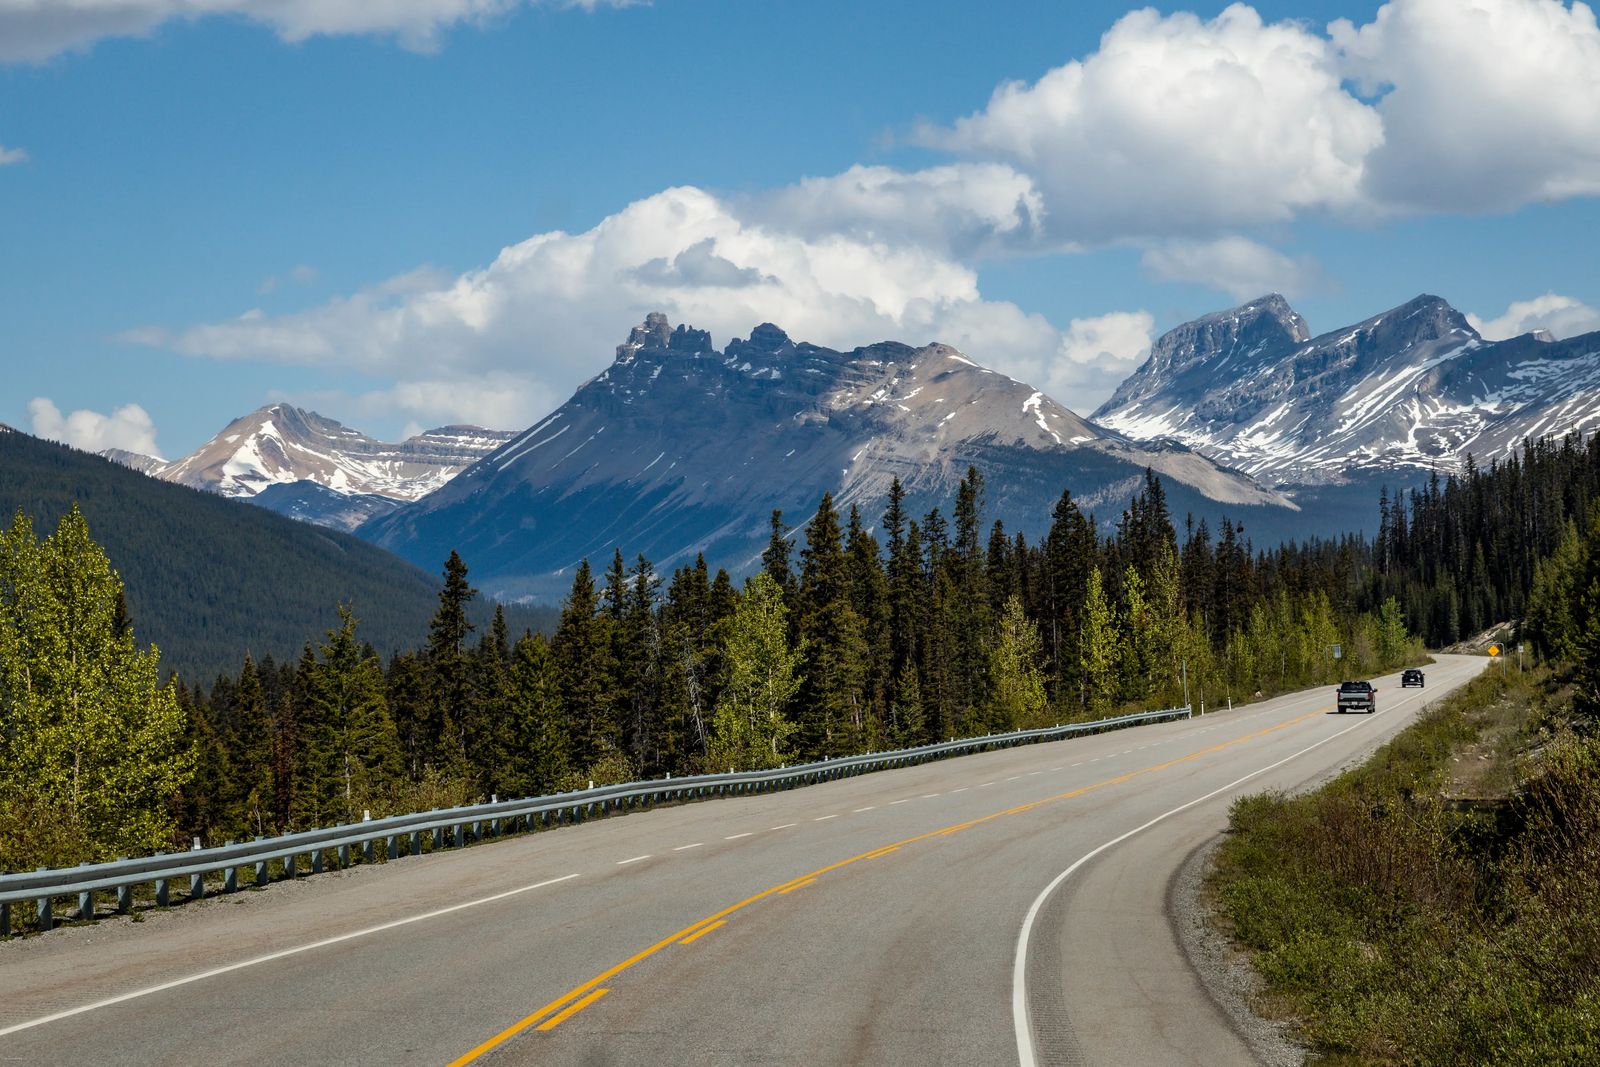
[580,997]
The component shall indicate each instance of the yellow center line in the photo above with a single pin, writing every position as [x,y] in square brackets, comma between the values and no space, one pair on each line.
[703,931]
[557,1020]
[587,991]
[798,885]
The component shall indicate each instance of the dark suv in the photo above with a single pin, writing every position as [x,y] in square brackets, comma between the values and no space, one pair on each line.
[1411,677]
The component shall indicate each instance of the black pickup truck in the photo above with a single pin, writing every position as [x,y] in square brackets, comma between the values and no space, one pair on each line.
[1357,696]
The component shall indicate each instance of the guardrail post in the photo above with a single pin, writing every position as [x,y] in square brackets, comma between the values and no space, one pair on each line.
[416,843]
[85,901]
[366,851]
[344,856]
[316,861]
[460,834]
[289,867]
[163,896]
[391,848]
[5,920]
[46,919]
[124,899]
[197,886]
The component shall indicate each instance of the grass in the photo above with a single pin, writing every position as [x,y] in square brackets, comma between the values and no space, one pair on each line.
[1439,904]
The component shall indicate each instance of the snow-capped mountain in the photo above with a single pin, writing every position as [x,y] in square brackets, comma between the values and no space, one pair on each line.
[678,448]
[300,463]
[1415,389]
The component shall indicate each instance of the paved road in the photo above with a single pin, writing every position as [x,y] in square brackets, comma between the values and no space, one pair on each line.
[873,920]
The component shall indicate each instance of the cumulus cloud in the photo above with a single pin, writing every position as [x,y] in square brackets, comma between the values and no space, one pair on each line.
[1178,124]
[502,343]
[299,275]
[1562,316]
[1486,104]
[961,208]
[38,29]
[128,427]
[8,156]
[1238,266]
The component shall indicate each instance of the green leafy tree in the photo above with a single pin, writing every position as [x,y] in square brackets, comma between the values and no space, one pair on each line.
[88,734]
[1101,647]
[1018,683]
[749,728]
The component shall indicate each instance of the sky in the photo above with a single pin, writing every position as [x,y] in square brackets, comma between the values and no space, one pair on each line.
[414,213]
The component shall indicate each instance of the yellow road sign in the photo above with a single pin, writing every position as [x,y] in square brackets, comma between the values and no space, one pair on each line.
[1494,650]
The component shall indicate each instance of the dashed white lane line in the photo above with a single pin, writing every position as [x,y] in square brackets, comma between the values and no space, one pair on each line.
[929,796]
[1032,773]
[907,800]
[985,784]
[735,837]
[785,826]
[869,807]
[1077,764]
[1053,769]
[963,789]
[1014,777]
[684,848]
[824,818]
[636,859]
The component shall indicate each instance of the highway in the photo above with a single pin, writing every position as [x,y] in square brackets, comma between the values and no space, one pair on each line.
[995,909]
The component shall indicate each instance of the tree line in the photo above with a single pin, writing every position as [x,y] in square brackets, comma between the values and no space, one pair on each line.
[847,639]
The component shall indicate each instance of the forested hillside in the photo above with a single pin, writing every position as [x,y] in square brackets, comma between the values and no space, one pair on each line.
[209,579]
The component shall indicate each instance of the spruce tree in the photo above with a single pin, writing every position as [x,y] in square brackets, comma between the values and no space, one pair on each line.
[538,762]
[355,752]
[451,673]
[581,650]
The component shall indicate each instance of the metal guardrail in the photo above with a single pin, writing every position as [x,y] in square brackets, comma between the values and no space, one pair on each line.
[447,827]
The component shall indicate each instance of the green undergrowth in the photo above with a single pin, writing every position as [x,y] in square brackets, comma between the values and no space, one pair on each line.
[1439,904]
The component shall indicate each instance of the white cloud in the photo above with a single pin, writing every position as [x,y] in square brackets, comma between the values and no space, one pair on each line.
[1562,316]
[1180,125]
[503,343]
[961,208]
[38,29]
[1235,265]
[1486,104]
[128,427]
[9,156]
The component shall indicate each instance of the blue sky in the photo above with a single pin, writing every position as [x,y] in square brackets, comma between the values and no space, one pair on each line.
[309,199]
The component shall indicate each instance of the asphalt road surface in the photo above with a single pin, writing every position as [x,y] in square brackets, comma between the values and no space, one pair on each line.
[917,916]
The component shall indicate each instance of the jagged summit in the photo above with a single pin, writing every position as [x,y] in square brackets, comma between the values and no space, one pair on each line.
[282,445]
[1415,388]
[676,449]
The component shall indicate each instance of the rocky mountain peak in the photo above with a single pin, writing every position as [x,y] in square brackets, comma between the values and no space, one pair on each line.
[658,334]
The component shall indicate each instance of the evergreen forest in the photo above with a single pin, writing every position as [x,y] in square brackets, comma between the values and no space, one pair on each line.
[857,633]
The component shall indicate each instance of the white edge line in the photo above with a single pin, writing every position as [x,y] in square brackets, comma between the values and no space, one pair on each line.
[1019,966]
[269,957]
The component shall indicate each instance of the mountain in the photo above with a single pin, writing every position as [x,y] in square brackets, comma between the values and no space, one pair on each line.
[1407,392]
[209,579]
[134,460]
[280,445]
[677,448]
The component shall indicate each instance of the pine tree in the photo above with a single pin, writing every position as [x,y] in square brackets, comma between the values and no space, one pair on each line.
[355,752]
[831,701]
[251,750]
[775,560]
[451,673]
[538,761]
[581,650]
